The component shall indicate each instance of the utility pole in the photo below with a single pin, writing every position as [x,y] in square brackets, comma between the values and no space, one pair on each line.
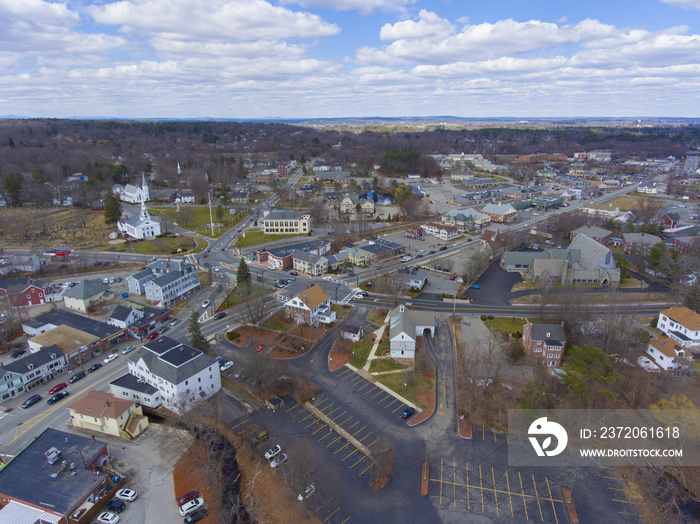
[211,218]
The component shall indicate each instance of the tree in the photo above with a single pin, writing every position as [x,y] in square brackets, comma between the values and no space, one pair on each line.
[692,298]
[113,208]
[243,277]
[197,340]
[219,213]
[590,374]
[13,187]
[647,210]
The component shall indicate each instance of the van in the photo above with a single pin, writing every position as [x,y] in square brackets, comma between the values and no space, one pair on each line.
[260,436]
[116,506]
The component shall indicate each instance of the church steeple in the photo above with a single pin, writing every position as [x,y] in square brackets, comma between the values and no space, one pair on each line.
[144,212]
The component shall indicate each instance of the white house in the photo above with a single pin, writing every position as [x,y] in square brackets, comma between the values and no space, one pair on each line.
[24,374]
[441,231]
[312,306]
[165,282]
[136,194]
[412,278]
[668,355]
[139,227]
[183,375]
[404,329]
[681,324]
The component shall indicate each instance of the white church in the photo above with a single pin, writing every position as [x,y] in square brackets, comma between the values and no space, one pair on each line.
[135,194]
[140,226]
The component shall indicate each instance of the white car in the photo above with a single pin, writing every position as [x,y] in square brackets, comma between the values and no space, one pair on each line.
[225,366]
[126,494]
[110,358]
[307,493]
[206,303]
[273,452]
[278,461]
[107,518]
[128,349]
[189,507]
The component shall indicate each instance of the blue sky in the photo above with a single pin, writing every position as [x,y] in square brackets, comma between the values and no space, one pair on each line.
[349,58]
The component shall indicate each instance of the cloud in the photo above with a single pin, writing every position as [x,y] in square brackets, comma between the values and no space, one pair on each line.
[685,4]
[429,26]
[361,6]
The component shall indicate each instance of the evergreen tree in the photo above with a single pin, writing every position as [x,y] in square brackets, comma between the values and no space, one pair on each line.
[243,274]
[13,187]
[113,208]
[197,340]
[692,299]
[219,213]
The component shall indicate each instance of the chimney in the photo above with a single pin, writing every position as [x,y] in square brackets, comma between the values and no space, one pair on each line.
[310,284]
[290,296]
[323,286]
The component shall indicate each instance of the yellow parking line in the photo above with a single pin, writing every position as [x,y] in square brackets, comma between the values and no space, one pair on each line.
[494,434]
[481,489]
[454,483]
[370,465]
[370,390]
[294,406]
[495,494]
[510,500]
[522,492]
[550,496]
[357,381]
[379,392]
[319,429]
[623,501]
[367,435]
[336,440]
[538,497]
[507,441]
[370,445]
[356,463]
[611,478]
[402,405]
[441,482]
[382,400]
[349,455]
[363,387]
[234,427]
[330,432]
[341,449]
[483,432]
[344,421]
[336,409]
[314,422]
[355,424]
[307,416]
[345,372]
[345,520]
[467,485]
[390,403]
[363,427]
[329,516]
[616,489]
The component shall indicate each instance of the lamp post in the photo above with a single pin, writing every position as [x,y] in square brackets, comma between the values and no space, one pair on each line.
[573,479]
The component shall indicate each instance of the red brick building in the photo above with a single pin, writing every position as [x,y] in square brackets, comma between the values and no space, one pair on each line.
[545,343]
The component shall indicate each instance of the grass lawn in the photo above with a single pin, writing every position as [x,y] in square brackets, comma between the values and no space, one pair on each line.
[197,218]
[360,352]
[396,381]
[376,317]
[384,364]
[158,246]
[255,237]
[277,323]
[340,311]
[507,324]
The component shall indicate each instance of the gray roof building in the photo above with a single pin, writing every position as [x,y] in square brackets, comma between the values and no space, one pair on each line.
[85,290]
[56,318]
[550,333]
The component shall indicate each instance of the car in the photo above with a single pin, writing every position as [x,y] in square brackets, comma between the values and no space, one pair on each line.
[110,358]
[163,330]
[78,376]
[260,348]
[112,280]
[152,336]
[432,252]
[116,506]
[475,286]
[31,401]
[294,273]
[196,516]
[107,518]
[273,452]
[57,388]
[240,374]
[291,279]
[105,281]
[204,255]
[219,316]
[419,255]
[453,277]
[310,490]
[175,322]
[219,288]
[216,269]
[279,284]
[469,240]
[278,461]
[187,497]
[126,494]
[358,296]
[225,366]
[259,278]
[207,264]
[370,283]
[408,412]
[18,353]
[119,279]
[443,248]
[206,303]
[192,505]
[94,367]
[57,397]
[128,349]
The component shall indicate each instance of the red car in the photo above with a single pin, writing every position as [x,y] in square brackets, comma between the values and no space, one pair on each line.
[57,388]
[152,335]
[204,255]
[294,273]
[453,277]
[260,347]
[187,497]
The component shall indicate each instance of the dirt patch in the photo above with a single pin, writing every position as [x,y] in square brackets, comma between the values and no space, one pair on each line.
[187,476]
[428,397]
[465,429]
[340,354]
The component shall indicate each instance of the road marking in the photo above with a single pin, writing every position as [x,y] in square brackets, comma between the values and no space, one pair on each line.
[322,401]
[355,424]
[510,500]
[307,416]
[550,496]
[379,392]
[341,449]
[522,491]
[495,494]
[370,465]
[294,406]
[334,441]
[441,482]
[623,501]
[454,483]
[467,485]
[360,460]
[494,434]
[330,432]
[312,423]
[350,454]
[366,385]
[329,516]
[345,520]
[538,497]
[371,390]
[319,429]
[481,489]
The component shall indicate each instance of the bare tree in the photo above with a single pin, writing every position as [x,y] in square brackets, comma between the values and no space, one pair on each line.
[647,210]
[255,304]
[383,456]
[305,469]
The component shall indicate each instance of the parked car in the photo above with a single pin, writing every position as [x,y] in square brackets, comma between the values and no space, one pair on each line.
[57,397]
[78,376]
[294,273]
[408,412]
[219,316]
[31,401]
[175,322]
[453,277]
[196,516]
[191,495]
[19,353]
[419,255]
[107,518]
[119,279]
[432,252]
[128,349]
[116,506]
[126,494]
[310,490]
[192,505]
[278,461]
[112,280]
[475,286]
[291,279]
[204,255]
[111,358]
[260,348]
[57,388]
[273,452]
[206,303]
[163,330]
[443,248]
[152,336]
[225,366]
[94,367]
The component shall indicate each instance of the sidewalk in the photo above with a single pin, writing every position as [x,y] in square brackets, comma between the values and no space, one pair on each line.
[379,333]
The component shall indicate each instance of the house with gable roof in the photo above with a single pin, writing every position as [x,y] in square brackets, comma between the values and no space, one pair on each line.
[312,306]
[84,294]
[545,343]
[165,281]
[668,354]
[25,291]
[104,413]
[681,324]
[405,326]
[21,375]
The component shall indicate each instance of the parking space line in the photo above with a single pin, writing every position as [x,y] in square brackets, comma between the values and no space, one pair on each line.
[334,441]
[336,409]
[467,485]
[307,416]
[367,435]
[355,424]
[297,405]
[363,457]
[370,445]
[314,422]
[611,478]
[494,434]
[370,465]
[495,494]
[400,406]
[550,496]
[329,516]
[454,483]
[243,422]
[330,432]
[341,449]
[522,491]
[510,499]
[370,390]
[483,432]
[357,381]
[349,455]
[538,497]
[481,489]
[323,401]
[319,429]
[318,508]
[441,482]
[363,427]
[379,392]
[392,402]
[623,501]
[345,520]
[344,421]
[345,372]
[616,489]
[382,400]
[366,385]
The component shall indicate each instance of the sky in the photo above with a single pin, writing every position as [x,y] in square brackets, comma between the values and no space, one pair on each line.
[292,59]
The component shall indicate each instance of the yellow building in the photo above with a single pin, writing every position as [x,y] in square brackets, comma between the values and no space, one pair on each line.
[103,412]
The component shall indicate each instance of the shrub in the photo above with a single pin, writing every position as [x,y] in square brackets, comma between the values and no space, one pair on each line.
[483,318]
[490,317]
[518,335]
[654,322]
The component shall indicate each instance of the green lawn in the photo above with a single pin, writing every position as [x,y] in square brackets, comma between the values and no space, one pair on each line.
[158,246]
[376,317]
[340,311]
[276,322]
[384,364]
[360,352]
[397,382]
[507,324]
[255,237]
[198,219]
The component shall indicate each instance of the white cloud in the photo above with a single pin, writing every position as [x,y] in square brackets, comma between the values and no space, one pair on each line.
[429,25]
[686,4]
[362,6]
